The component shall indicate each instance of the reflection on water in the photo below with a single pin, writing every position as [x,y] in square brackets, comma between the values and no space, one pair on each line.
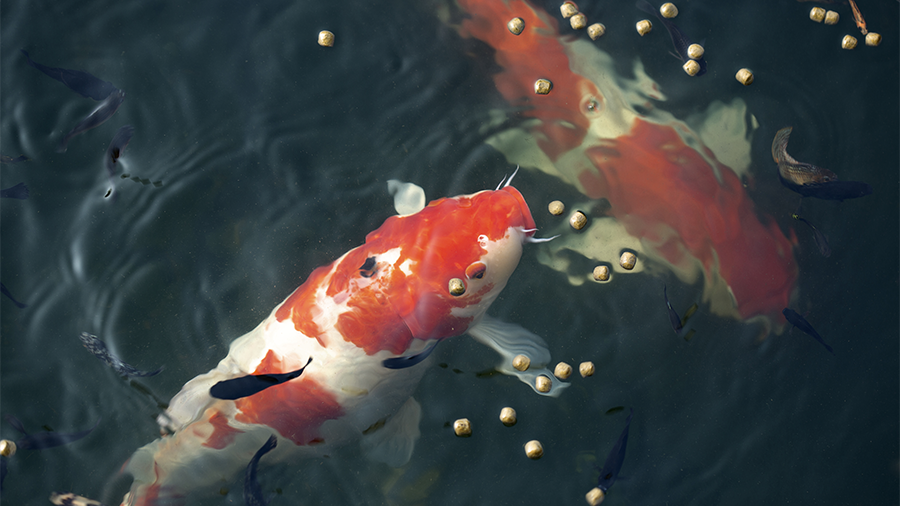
[275,152]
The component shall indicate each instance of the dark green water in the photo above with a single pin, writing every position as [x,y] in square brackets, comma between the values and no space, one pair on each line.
[274,152]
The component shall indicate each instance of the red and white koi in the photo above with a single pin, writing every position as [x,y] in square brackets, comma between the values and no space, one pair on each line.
[387,298]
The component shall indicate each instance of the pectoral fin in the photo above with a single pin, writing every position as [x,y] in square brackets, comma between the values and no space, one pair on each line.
[394,441]
[509,340]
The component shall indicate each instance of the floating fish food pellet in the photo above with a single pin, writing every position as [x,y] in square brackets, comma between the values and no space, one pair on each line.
[627,260]
[542,86]
[568,9]
[578,220]
[521,362]
[326,38]
[695,51]
[832,17]
[562,370]
[556,208]
[691,67]
[744,76]
[7,448]
[668,10]
[601,273]
[508,416]
[516,25]
[542,384]
[533,449]
[849,42]
[817,14]
[873,39]
[644,26]
[457,287]
[596,30]
[586,369]
[595,496]
[462,427]
[578,21]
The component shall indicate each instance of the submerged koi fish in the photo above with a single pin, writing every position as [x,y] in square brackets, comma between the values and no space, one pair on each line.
[387,298]
[679,200]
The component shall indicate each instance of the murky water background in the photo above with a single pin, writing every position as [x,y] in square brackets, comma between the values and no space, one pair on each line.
[273,153]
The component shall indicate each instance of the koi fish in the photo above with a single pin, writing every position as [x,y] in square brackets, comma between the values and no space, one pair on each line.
[809,180]
[821,240]
[19,191]
[78,81]
[800,322]
[96,346]
[349,317]
[252,493]
[679,39]
[99,116]
[677,196]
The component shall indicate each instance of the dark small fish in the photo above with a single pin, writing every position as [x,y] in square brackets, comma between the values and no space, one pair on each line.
[792,171]
[821,240]
[614,460]
[5,291]
[19,191]
[411,360]
[674,319]
[800,322]
[78,81]
[614,410]
[102,113]
[679,39]
[252,492]
[44,440]
[246,386]
[117,147]
[114,151]
[9,159]
[99,349]
[70,499]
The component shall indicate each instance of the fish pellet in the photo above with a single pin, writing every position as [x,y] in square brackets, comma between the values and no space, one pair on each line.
[596,30]
[542,86]
[873,39]
[326,38]
[556,208]
[562,370]
[601,273]
[744,76]
[521,362]
[586,369]
[691,67]
[568,9]
[7,448]
[462,427]
[817,14]
[832,17]
[595,496]
[643,27]
[534,449]
[578,220]
[849,42]
[578,21]
[516,25]
[543,384]
[508,416]
[668,10]
[627,260]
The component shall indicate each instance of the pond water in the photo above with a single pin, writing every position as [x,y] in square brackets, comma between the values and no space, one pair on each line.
[270,156]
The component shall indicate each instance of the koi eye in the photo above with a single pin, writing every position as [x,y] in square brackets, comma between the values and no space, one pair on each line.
[367,269]
[475,270]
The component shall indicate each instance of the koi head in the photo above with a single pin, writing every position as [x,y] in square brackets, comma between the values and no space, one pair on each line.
[427,275]
[452,259]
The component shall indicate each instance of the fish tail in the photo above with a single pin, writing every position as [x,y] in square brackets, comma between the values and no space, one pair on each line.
[779,146]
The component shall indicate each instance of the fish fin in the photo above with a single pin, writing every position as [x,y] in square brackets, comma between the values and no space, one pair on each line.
[394,442]
[409,198]
[190,402]
[509,340]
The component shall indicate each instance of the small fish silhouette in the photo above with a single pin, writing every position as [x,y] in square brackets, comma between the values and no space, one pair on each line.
[246,386]
[252,492]
[78,81]
[99,349]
